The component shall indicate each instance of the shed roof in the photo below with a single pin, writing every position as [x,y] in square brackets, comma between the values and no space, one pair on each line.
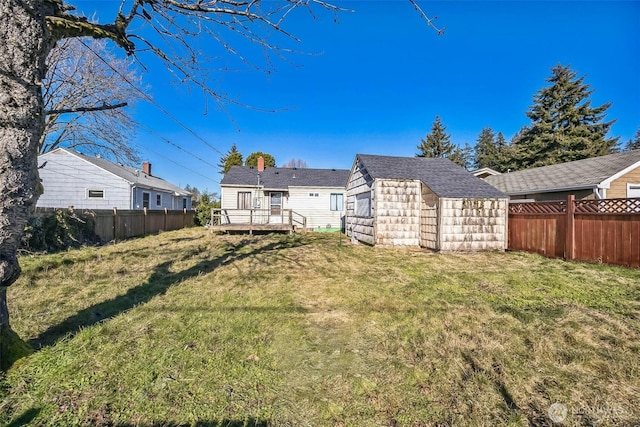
[128,173]
[442,176]
[283,178]
[579,174]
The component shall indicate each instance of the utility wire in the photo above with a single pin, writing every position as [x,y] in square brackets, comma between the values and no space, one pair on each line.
[152,102]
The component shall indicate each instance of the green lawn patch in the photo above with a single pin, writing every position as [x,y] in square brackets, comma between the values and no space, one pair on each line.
[190,328]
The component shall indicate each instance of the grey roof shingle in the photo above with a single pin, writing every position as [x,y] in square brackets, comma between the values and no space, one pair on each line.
[442,176]
[283,178]
[579,174]
[132,175]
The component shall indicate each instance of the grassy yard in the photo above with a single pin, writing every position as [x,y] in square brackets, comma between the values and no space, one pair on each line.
[188,328]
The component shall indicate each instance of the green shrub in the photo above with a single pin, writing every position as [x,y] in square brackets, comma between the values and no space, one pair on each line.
[59,229]
[203,209]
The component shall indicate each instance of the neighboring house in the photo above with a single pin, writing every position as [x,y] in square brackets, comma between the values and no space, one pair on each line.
[316,194]
[605,177]
[426,202]
[73,179]
[484,172]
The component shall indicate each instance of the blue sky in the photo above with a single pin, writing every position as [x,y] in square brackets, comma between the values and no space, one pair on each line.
[373,81]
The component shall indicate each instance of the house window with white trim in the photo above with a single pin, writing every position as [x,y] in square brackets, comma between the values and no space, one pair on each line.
[95,194]
[158,200]
[145,200]
[337,201]
[633,190]
[244,200]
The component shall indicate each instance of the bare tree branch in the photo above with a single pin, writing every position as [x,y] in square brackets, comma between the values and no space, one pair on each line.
[85,90]
[86,109]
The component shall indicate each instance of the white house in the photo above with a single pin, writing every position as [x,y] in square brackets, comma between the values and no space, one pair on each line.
[73,179]
[316,194]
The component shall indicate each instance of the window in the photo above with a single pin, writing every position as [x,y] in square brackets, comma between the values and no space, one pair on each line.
[96,194]
[633,190]
[184,203]
[337,201]
[158,200]
[244,200]
[363,204]
[145,200]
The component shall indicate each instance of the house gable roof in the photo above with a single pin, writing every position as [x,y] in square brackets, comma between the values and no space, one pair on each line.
[576,175]
[283,178]
[127,173]
[442,176]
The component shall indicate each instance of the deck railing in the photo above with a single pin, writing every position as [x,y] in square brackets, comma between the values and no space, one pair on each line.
[258,217]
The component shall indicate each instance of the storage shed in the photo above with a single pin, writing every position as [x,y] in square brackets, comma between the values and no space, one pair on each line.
[426,202]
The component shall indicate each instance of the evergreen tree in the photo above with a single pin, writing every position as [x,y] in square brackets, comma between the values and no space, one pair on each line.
[438,142]
[564,126]
[486,153]
[252,159]
[232,158]
[462,156]
[633,144]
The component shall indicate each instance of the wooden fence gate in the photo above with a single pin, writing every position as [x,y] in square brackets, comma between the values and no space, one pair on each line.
[606,231]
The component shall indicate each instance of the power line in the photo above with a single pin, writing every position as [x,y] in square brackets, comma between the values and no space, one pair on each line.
[177,164]
[154,103]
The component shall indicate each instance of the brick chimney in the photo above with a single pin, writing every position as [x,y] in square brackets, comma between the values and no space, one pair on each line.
[260,164]
[146,168]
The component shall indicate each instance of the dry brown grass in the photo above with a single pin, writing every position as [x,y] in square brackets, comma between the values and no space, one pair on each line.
[187,327]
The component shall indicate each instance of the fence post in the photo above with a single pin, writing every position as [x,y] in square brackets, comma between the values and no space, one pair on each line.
[569,249]
[115,224]
[166,213]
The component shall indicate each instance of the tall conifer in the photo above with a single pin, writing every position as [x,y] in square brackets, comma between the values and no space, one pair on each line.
[564,126]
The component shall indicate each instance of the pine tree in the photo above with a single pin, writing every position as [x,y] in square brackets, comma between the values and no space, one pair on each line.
[462,156]
[633,144]
[564,126]
[438,142]
[232,158]
[486,153]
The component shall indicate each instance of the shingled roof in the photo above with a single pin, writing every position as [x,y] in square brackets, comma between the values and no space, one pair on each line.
[283,178]
[576,175]
[442,176]
[132,175]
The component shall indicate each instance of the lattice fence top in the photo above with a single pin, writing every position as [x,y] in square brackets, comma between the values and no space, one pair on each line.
[605,206]
[608,206]
[555,207]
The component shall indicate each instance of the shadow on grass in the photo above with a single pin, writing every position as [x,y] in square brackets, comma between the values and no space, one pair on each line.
[249,422]
[25,418]
[160,281]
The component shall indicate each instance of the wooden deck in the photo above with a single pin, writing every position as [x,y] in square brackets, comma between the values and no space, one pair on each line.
[256,220]
[250,228]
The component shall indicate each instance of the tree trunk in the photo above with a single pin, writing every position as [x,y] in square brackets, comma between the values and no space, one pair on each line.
[24,45]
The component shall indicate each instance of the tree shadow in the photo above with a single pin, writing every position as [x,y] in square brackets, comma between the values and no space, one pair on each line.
[160,281]
[249,422]
[25,418]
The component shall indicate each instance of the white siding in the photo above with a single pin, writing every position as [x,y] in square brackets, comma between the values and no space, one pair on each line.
[229,202]
[167,200]
[360,228]
[317,210]
[67,180]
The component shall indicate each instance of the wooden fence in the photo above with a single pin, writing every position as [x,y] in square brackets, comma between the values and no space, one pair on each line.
[606,231]
[123,224]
